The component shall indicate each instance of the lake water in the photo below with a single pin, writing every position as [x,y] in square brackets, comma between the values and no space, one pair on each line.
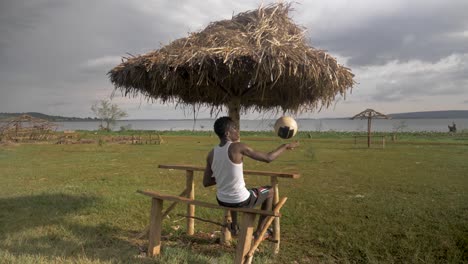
[380,125]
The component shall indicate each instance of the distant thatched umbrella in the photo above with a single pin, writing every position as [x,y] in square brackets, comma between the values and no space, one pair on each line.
[259,60]
[369,114]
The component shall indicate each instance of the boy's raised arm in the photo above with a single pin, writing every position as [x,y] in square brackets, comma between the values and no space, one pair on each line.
[270,156]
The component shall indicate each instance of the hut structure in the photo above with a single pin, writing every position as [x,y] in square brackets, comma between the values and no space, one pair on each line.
[26,127]
[257,61]
[370,114]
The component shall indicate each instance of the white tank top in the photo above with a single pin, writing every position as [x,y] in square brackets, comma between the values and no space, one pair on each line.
[229,176]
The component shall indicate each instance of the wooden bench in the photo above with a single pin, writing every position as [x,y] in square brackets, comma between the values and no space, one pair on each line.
[244,250]
[189,192]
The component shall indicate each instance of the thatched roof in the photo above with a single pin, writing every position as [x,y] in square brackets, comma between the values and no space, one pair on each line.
[370,113]
[25,127]
[26,121]
[259,58]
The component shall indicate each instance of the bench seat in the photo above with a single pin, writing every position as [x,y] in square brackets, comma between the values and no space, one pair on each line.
[244,248]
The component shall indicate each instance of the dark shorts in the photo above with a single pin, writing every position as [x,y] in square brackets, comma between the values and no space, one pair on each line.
[257,197]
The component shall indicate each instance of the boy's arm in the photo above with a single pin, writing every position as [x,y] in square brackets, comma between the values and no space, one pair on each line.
[266,157]
[208,179]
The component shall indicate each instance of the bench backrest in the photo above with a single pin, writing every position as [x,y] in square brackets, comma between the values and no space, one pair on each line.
[246,172]
[180,199]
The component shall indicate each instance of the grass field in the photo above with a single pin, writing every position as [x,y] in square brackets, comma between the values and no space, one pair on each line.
[405,203]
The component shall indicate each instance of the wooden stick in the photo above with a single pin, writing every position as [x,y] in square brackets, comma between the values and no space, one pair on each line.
[154,247]
[168,210]
[246,172]
[225,232]
[276,224]
[201,219]
[171,207]
[369,124]
[245,238]
[190,187]
[185,200]
[265,227]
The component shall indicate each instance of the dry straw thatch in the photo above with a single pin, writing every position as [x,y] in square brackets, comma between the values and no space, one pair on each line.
[26,127]
[370,114]
[258,60]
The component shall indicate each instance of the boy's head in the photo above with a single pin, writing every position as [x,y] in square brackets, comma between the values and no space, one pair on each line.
[225,127]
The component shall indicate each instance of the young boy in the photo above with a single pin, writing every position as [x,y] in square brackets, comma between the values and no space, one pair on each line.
[224,168]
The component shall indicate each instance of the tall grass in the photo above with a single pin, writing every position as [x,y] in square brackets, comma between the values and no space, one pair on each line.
[405,203]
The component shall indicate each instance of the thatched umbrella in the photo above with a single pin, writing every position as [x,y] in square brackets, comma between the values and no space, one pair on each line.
[258,60]
[369,114]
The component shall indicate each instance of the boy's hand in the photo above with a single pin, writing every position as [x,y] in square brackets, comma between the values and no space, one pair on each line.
[292,145]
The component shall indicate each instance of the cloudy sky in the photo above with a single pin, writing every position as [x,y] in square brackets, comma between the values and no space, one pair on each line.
[407,55]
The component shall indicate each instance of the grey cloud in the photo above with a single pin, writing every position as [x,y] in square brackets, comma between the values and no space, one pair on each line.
[56,104]
[44,45]
[416,33]
[405,81]
[427,83]
[53,52]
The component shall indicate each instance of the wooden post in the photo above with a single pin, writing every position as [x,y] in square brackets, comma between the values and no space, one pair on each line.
[263,231]
[154,247]
[190,187]
[168,210]
[245,238]
[369,122]
[276,223]
[234,106]
[383,142]
[225,232]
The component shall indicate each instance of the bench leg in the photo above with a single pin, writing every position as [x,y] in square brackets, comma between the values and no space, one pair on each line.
[245,238]
[264,229]
[190,187]
[154,247]
[168,210]
[276,221]
[225,232]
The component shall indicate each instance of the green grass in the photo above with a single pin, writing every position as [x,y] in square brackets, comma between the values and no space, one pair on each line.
[406,203]
[400,137]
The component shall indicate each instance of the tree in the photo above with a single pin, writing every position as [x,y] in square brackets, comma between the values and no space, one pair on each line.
[108,113]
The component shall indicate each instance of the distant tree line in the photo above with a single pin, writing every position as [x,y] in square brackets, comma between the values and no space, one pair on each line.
[106,112]
[51,118]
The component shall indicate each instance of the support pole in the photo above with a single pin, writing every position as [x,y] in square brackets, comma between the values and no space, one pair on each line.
[225,232]
[369,123]
[263,231]
[276,223]
[234,110]
[245,238]
[190,187]
[154,247]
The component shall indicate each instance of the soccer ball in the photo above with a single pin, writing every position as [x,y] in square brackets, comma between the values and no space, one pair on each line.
[285,127]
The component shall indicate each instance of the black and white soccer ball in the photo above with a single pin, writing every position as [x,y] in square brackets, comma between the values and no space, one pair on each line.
[285,127]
